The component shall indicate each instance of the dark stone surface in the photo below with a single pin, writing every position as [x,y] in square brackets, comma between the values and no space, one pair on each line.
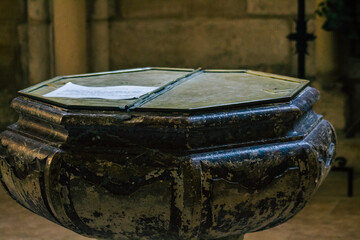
[146,175]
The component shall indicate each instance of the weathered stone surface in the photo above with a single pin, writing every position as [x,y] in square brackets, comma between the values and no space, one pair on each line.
[11,13]
[348,148]
[214,174]
[101,9]
[8,116]
[10,69]
[38,10]
[8,34]
[332,105]
[215,8]
[151,8]
[12,9]
[8,55]
[38,52]
[277,7]
[208,43]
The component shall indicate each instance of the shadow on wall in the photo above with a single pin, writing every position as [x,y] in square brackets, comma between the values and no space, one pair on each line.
[12,75]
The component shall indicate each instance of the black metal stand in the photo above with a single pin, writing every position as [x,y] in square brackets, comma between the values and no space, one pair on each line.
[350,171]
[301,37]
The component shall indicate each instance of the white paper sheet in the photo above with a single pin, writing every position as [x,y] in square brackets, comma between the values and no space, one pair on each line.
[71,90]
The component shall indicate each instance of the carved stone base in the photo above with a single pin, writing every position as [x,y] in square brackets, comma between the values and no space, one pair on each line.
[195,174]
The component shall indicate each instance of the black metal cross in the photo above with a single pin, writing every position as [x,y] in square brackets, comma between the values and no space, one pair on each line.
[301,37]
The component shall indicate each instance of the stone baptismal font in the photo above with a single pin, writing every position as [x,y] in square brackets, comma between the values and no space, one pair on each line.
[161,153]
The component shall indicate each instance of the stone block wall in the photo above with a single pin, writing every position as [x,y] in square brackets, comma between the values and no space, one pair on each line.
[170,33]
[12,16]
[208,33]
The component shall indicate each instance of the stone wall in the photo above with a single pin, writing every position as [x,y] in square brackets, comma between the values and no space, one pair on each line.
[209,34]
[12,17]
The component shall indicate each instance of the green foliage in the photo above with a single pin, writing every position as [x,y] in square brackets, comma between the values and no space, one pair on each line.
[341,15]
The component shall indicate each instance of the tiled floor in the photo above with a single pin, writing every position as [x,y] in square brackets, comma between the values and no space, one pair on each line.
[330,215]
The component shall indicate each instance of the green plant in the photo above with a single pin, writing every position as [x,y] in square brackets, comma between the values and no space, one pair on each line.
[341,15]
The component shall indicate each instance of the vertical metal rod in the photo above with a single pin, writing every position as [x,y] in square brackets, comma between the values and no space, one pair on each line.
[301,41]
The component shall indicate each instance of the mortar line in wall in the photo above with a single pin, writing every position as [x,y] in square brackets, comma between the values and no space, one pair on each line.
[247,16]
